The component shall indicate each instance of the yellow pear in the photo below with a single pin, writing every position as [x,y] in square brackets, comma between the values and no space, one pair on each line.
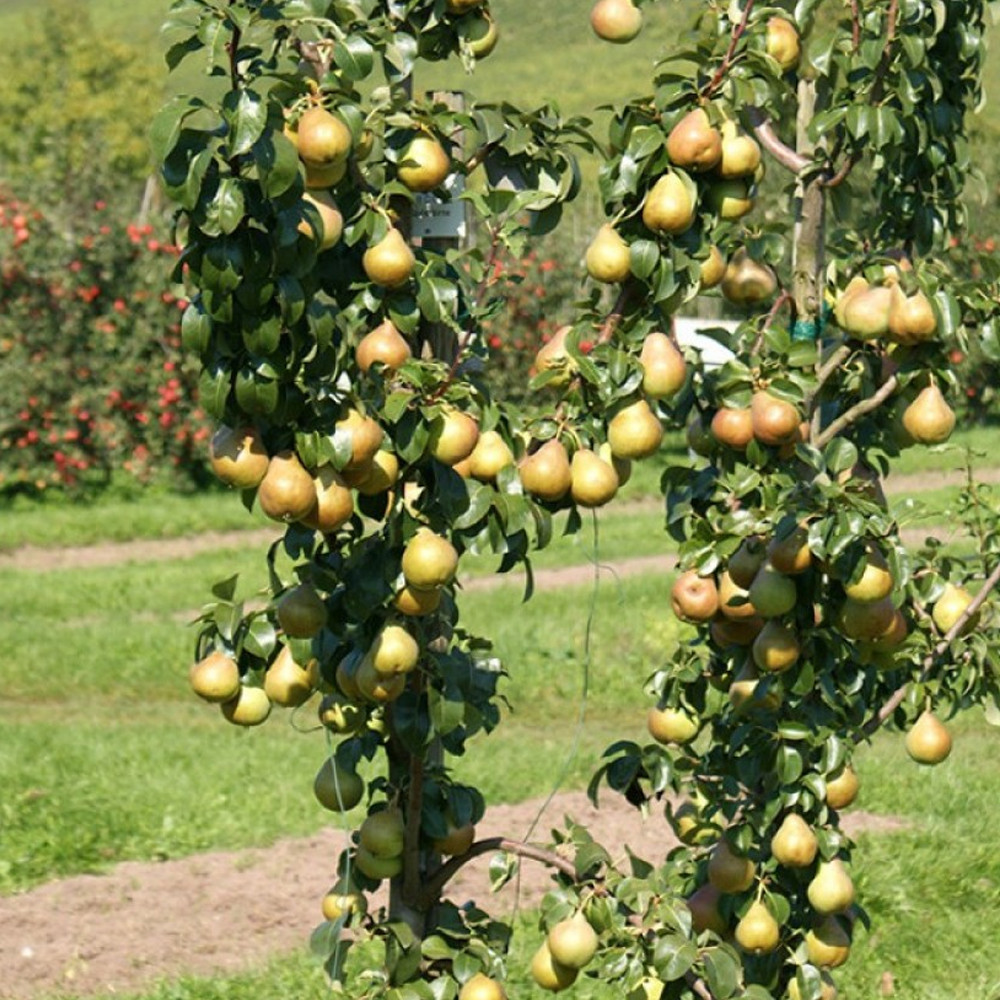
[608,258]
[287,683]
[453,436]
[215,677]
[572,942]
[664,370]
[747,282]
[417,603]
[375,687]
[865,312]
[866,620]
[775,421]
[911,317]
[794,845]
[394,651]
[334,502]
[424,164]
[828,945]
[384,345]
[669,206]
[593,482]
[728,871]
[842,788]
[875,582]
[950,607]
[781,42]
[481,987]
[546,473]
[776,647]
[490,455]
[831,889]
[331,222]
[322,138]
[734,600]
[429,560]
[553,354]
[635,431]
[250,707]
[287,491]
[740,153]
[550,974]
[857,284]
[730,199]
[928,741]
[339,905]
[929,419]
[758,932]
[713,269]
[390,261]
[616,21]
[693,143]
[238,456]
[325,177]
[382,474]
[693,827]
[366,439]
[672,725]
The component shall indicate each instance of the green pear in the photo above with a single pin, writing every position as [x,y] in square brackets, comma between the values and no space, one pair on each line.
[730,200]
[772,593]
[424,164]
[842,788]
[669,206]
[286,683]
[740,153]
[950,606]
[572,942]
[704,906]
[928,741]
[546,473]
[728,871]
[608,258]
[875,582]
[322,138]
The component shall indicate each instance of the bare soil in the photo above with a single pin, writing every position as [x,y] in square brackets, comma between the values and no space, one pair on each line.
[224,912]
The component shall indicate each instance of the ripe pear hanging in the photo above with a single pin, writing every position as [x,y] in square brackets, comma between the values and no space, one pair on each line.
[929,419]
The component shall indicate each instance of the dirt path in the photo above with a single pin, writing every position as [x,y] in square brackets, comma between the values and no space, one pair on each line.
[41,559]
[228,911]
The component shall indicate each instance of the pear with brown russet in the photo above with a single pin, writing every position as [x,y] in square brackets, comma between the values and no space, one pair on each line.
[694,143]
[322,138]
[669,206]
[215,677]
[389,262]
[384,345]
[705,914]
[286,682]
[928,741]
[331,222]
[929,419]
[238,456]
[334,502]
[554,355]
[776,647]
[593,481]
[664,370]
[286,493]
[864,313]
[842,788]
[748,282]
[300,611]
[775,421]
[794,845]
[608,258]
[733,426]
[694,598]
[728,871]
[635,431]
[453,436]
[546,473]
[617,21]
[365,436]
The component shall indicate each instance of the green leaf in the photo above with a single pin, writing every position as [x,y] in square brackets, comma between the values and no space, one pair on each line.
[277,163]
[354,56]
[246,114]
[226,210]
[722,973]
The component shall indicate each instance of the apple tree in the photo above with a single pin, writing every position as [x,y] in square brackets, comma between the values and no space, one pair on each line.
[339,348]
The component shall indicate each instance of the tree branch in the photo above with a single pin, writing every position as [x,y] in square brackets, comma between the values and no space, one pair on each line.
[613,320]
[437,880]
[827,369]
[856,412]
[727,60]
[768,138]
[885,712]
[855,26]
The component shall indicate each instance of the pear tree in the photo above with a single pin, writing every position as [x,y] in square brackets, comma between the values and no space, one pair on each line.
[340,353]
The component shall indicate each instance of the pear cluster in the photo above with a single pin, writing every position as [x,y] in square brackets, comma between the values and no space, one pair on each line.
[569,946]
